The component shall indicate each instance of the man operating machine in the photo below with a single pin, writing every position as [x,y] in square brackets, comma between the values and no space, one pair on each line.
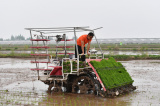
[81,41]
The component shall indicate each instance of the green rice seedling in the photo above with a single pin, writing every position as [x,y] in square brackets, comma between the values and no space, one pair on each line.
[89,103]
[61,103]
[112,73]
[70,103]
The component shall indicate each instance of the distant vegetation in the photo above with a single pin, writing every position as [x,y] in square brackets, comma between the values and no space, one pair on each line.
[105,47]
[11,48]
[15,38]
[117,57]
[20,38]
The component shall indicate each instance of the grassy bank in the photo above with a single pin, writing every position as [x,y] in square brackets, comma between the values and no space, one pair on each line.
[117,57]
[15,55]
[133,57]
[109,47]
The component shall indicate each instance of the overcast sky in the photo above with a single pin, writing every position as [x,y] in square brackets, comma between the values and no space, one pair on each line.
[119,18]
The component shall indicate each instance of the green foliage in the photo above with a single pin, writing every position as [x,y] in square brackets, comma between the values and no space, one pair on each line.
[119,57]
[17,55]
[15,48]
[112,73]
[32,52]
[154,56]
[12,53]
[134,49]
[8,49]
[109,48]
[143,48]
[28,38]
[1,39]
[116,48]
[66,67]
[18,37]
[26,47]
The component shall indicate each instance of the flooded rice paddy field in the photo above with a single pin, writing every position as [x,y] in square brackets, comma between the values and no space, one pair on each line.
[19,86]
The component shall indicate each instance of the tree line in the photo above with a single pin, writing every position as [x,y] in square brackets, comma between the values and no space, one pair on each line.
[15,38]
[18,38]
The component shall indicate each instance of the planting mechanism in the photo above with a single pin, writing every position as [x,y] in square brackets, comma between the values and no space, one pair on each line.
[65,73]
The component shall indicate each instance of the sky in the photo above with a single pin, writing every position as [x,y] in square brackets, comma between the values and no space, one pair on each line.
[119,18]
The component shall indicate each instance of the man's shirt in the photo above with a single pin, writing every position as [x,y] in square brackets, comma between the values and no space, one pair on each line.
[83,38]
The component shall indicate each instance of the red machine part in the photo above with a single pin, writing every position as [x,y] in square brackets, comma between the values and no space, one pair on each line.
[56,71]
[88,60]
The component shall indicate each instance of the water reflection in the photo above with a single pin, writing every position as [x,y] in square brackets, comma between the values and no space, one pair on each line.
[69,99]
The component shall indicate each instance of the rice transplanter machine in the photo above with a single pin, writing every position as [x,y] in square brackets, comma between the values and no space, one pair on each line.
[63,72]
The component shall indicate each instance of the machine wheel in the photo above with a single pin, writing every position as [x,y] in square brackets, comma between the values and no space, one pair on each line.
[52,89]
[83,85]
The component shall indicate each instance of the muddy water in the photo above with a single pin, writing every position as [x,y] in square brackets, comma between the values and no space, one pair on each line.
[19,86]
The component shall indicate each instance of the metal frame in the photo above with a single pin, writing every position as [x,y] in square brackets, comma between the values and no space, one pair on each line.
[63,30]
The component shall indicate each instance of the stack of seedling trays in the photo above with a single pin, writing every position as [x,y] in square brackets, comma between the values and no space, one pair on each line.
[112,73]
[67,66]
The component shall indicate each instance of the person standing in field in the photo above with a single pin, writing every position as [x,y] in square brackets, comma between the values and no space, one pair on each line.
[81,41]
